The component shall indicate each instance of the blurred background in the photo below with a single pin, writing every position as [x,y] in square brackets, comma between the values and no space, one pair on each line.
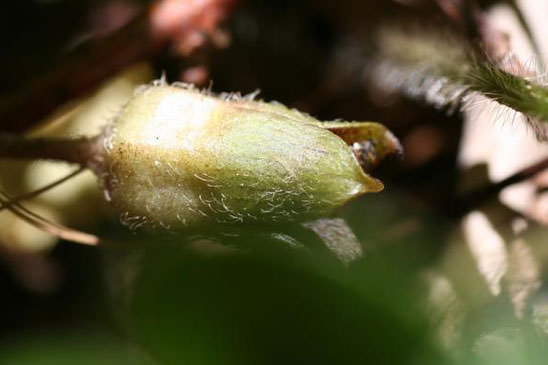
[453,262]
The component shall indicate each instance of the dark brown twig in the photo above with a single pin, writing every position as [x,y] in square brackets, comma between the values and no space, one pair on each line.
[83,151]
[472,200]
[93,62]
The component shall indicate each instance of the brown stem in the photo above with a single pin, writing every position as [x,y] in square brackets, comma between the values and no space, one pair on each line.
[47,226]
[76,76]
[476,198]
[87,152]
[93,62]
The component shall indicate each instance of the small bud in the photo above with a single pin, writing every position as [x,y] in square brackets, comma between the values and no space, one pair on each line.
[179,158]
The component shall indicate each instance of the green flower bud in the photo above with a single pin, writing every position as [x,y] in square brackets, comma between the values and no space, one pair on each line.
[179,158]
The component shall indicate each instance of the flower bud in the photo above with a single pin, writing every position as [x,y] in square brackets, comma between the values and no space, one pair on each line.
[179,158]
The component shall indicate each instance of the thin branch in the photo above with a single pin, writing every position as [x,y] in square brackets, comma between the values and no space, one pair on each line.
[476,198]
[97,60]
[86,152]
[43,224]
[526,28]
[41,190]
[145,37]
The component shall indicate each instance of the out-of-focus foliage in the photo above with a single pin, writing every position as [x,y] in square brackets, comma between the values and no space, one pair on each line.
[66,347]
[271,306]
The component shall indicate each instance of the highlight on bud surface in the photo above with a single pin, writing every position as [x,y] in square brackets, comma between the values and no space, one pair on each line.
[177,158]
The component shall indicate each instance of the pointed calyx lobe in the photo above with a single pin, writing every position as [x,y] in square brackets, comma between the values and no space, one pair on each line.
[371,142]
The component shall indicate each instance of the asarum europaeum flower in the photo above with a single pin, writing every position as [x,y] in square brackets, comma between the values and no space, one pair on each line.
[178,158]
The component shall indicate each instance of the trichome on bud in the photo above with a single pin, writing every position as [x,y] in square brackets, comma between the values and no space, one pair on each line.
[178,158]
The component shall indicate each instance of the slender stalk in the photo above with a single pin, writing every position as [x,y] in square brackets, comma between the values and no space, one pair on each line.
[474,199]
[526,28]
[43,189]
[87,152]
[39,222]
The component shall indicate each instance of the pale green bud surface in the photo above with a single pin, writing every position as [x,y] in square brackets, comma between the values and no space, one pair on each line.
[179,158]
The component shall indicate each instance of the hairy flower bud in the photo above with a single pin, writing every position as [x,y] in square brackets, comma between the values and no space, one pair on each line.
[179,158]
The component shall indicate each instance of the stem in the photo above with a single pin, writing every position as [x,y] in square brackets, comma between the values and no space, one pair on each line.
[87,152]
[43,189]
[99,59]
[527,29]
[47,226]
[474,199]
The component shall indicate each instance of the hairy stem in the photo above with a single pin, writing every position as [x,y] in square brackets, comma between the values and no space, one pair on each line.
[443,70]
[510,90]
